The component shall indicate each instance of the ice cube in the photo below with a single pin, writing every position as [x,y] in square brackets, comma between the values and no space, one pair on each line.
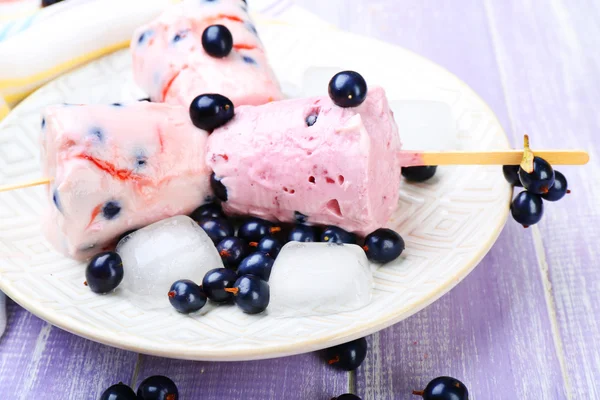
[425,125]
[311,279]
[156,256]
[315,81]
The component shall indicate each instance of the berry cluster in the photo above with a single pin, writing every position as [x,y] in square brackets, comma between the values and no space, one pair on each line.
[441,388]
[249,256]
[541,182]
[156,387]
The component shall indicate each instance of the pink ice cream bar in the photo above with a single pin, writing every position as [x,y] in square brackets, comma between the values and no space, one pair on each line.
[117,168]
[171,65]
[311,158]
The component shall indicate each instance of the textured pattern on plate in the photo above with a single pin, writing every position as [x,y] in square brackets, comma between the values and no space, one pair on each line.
[448,223]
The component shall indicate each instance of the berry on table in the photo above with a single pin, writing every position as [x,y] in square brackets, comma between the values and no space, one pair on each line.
[540,180]
[216,281]
[511,174]
[257,264]
[104,272]
[268,245]
[254,229]
[527,208]
[383,245]
[216,228]
[347,396]
[348,356]
[186,296]
[559,189]
[232,251]
[217,41]
[348,89]
[419,174]
[303,233]
[251,294]
[210,111]
[158,387]
[119,391]
[212,210]
[444,388]
[333,234]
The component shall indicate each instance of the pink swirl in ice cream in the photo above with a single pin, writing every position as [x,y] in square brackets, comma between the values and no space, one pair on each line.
[117,168]
[337,166]
[170,63]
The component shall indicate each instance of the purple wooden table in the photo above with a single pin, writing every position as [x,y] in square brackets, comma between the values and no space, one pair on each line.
[524,325]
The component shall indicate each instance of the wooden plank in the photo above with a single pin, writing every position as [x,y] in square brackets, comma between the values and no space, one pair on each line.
[549,67]
[17,348]
[493,330]
[300,377]
[38,361]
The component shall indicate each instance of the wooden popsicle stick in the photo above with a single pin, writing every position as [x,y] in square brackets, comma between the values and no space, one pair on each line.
[38,182]
[503,157]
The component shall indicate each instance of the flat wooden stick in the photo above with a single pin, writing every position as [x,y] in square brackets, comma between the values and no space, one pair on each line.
[38,182]
[504,157]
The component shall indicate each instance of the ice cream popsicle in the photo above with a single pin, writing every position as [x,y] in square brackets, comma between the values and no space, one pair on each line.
[333,160]
[171,64]
[310,160]
[117,168]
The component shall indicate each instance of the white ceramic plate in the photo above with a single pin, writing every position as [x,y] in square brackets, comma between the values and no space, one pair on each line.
[448,223]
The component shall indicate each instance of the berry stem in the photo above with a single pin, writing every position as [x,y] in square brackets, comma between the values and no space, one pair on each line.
[418,392]
[275,229]
[253,244]
[224,253]
[527,162]
[171,294]
[334,360]
[234,290]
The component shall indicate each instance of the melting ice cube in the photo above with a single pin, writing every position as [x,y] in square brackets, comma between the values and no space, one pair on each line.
[156,256]
[319,279]
[315,81]
[425,125]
